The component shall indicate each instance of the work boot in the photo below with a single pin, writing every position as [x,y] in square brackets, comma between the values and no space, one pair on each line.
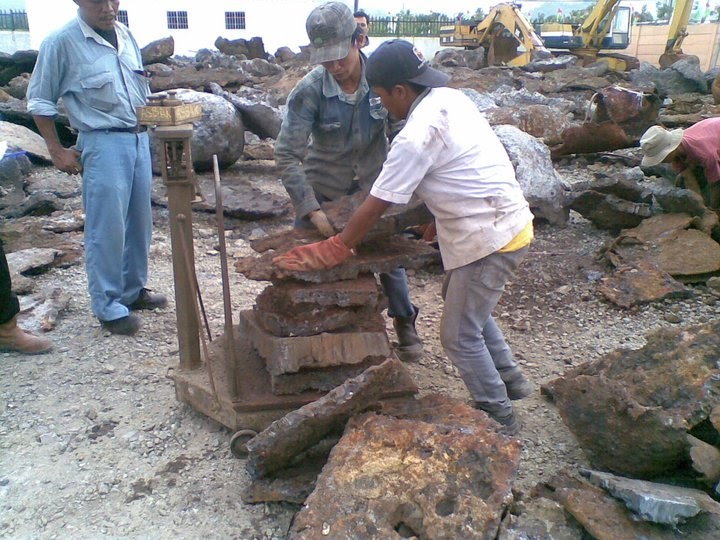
[519,387]
[124,326]
[148,300]
[410,346]
[13,338]
[509,424]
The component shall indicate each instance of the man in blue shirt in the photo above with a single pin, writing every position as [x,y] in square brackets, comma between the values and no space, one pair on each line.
[333,142]
[93,63]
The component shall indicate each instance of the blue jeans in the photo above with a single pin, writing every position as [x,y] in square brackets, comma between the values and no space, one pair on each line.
[394,284]
[469,334]
[117,179]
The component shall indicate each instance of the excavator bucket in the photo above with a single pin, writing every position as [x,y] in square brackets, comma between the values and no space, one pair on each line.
[668,58]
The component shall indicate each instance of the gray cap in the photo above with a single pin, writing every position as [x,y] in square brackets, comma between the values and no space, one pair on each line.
[329,28]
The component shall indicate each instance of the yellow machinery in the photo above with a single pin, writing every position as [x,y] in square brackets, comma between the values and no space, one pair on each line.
[507,36]
[606,27]
[676,33]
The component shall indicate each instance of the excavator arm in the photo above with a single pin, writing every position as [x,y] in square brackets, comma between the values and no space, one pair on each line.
[506,35]
[595,28]
[676,33]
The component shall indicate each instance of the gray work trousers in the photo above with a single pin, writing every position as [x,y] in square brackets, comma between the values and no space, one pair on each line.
[470,336]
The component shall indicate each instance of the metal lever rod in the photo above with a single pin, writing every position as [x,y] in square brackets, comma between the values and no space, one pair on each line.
[229,340]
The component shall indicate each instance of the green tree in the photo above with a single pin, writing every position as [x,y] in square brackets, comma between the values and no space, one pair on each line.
[664,10]
[479,14]
[643,15]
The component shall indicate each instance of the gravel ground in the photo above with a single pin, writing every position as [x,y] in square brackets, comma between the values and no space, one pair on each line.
[93,443]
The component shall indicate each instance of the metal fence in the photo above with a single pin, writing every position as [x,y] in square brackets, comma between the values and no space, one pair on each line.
[13,20]
[407,27]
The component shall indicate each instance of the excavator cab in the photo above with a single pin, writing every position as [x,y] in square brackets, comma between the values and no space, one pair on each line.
[568,36]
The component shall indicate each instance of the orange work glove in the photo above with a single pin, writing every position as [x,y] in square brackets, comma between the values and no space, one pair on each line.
[317,256]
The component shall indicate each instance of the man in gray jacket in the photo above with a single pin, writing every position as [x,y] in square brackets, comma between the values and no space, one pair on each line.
[333,142]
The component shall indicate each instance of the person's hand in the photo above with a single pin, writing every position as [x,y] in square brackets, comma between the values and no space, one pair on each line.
[317,256]
[67,160]
[321,222]
[430,232]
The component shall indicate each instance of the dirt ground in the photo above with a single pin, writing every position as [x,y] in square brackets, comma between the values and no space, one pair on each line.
[94,444]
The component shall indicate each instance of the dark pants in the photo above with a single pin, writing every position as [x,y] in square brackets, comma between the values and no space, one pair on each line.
[9,305]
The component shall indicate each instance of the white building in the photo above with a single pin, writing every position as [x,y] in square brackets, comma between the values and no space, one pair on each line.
[194,24]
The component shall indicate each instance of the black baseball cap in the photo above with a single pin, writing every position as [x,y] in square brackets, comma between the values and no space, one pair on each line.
[397,61]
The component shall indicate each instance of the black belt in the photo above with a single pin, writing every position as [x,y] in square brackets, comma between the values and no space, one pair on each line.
[134,129]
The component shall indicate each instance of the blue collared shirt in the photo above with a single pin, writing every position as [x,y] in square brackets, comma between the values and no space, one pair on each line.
[101,87]
[328,142]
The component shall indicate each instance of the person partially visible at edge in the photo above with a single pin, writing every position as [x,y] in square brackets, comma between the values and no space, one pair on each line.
[332,143]
[93,63]
[363,22]
[12,337]
[693,152]
[448,155]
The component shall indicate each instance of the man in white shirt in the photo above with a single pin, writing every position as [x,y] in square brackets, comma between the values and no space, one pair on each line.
[448,155]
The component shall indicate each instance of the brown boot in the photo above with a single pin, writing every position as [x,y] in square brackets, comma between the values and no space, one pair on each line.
[12,338]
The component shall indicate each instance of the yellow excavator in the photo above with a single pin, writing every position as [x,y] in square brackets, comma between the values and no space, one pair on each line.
[676,34]
[506,35]
[606,27]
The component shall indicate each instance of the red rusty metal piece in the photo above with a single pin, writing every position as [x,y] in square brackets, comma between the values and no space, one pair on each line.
[617,118]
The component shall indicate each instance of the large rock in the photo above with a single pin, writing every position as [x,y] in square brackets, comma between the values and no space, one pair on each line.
[286,355]
[192,77]
[252,48]
[543,188]
[219,132]
[540,121]
[671,243]
[17,86]
[372,257]
[273,448]
[258,115]
[631,409]
[24,139]
[658,503]
[12,65]
[607,518]
[451,57]
[608,211]
[682,77]
[158,51]
[440,471]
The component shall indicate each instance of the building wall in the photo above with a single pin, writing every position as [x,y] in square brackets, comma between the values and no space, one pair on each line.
[282,23]
[11,42]
[703,40]
[278,22]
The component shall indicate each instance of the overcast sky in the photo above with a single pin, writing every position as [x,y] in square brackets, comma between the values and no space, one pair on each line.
[450,7]
[453,7]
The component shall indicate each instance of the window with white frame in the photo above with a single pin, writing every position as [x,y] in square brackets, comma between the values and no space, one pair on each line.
[235,20]
[177,20]
[122,17]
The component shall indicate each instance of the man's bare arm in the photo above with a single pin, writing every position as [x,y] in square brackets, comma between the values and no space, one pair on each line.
[362,220]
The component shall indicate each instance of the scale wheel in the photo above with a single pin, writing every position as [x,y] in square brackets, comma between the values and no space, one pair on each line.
[238,442]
